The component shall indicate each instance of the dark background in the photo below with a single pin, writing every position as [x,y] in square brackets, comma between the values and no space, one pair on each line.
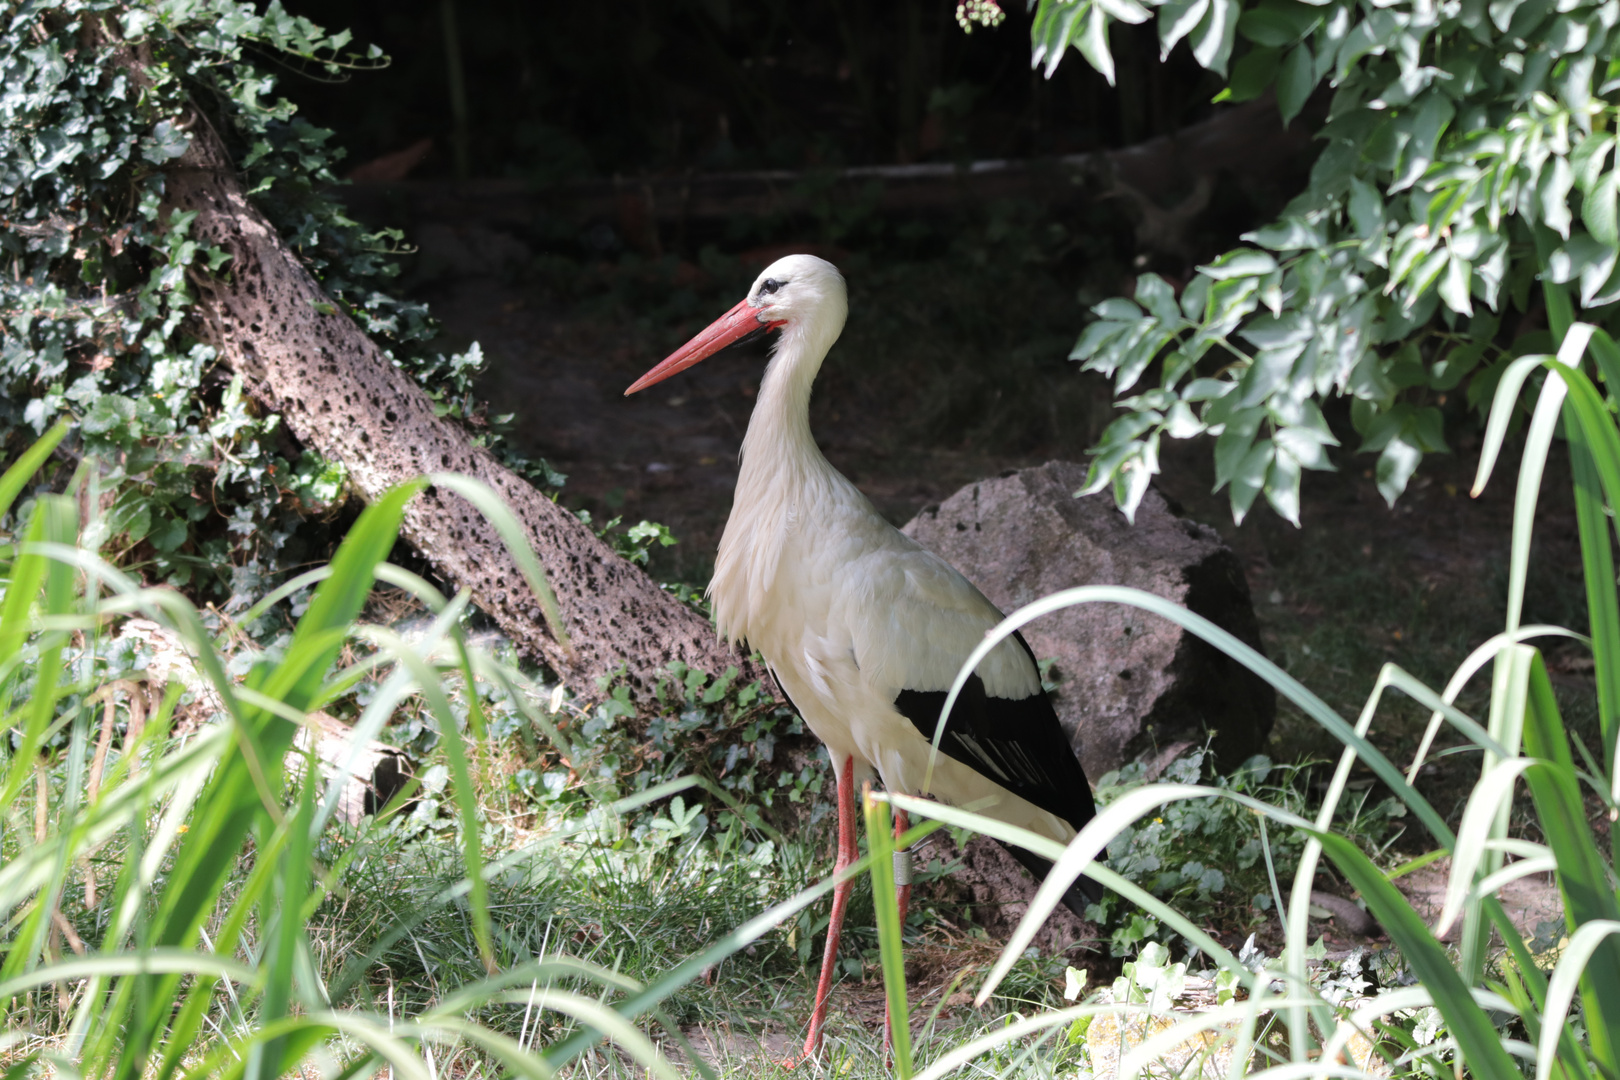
[954,364]
[531,154]
[564,91]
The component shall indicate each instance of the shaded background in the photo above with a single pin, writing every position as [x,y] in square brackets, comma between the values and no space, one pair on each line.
[556,167]
[562,91]
[579,182]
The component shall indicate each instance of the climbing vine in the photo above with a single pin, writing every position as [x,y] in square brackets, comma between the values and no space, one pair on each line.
[97,101]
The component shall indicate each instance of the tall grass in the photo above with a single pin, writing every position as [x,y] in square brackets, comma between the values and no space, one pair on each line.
[1502,1014]
[167,897]
[194,954]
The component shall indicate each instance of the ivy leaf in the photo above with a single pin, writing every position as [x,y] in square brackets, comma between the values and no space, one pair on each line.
[166,143]
[109,413]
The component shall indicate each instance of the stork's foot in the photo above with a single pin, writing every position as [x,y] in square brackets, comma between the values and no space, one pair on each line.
[812,1051]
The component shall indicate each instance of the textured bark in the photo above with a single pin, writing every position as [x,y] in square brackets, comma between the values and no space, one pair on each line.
[339,394]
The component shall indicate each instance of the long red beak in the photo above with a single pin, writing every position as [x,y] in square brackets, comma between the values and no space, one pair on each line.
[728,329]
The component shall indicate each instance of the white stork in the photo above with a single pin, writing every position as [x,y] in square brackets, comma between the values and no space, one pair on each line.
[864,628]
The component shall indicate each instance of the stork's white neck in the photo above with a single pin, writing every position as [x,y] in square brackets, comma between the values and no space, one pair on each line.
[782,482]
[779,430]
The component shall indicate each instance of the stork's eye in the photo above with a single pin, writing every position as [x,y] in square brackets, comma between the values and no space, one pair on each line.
[770,285]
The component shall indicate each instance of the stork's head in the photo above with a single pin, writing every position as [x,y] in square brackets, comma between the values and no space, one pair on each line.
[801,295]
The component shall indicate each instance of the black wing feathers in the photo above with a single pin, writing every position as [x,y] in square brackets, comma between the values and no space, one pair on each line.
[1020,745]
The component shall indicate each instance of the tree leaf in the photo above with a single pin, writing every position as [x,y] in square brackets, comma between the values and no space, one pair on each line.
[1093,43]
[1306,447]
[1395,467]
[1295,81]
[1554,196]
[1126,11]
[1176,20]
[1282,486]
[1598,210]
[1250,478]
[1454,285]
[1233,444]
[1212,40]
[1155,294]
[1243,262]
[1268,27]
[1252,74]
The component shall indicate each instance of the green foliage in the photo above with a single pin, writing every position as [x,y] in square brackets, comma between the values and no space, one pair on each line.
[201,882]
[1469,151]
[98,102]
[1212,859]
[1467,1005]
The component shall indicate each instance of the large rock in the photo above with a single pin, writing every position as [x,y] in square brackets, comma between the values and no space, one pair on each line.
[1128,681]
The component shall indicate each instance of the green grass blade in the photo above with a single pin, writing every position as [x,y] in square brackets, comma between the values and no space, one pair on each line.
[28,463]
[891,949]
[282,913]
[1470,1025]
[1583,876]
[138,962]
[1291,688]
[1607,354]
[464,791]
[1471,666]
[1583,945]
[1503,402]
[1055,852]
[693,966]
[52,521]
[517,544]
[1597,561]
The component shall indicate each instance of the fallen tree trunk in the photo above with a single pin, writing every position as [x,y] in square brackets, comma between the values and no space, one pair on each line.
[340,395]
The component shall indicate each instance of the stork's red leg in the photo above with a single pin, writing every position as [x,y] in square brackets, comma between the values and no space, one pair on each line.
[902,895]
[847,854]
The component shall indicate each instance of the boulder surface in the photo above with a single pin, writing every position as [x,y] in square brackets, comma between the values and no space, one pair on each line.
[1128,681]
